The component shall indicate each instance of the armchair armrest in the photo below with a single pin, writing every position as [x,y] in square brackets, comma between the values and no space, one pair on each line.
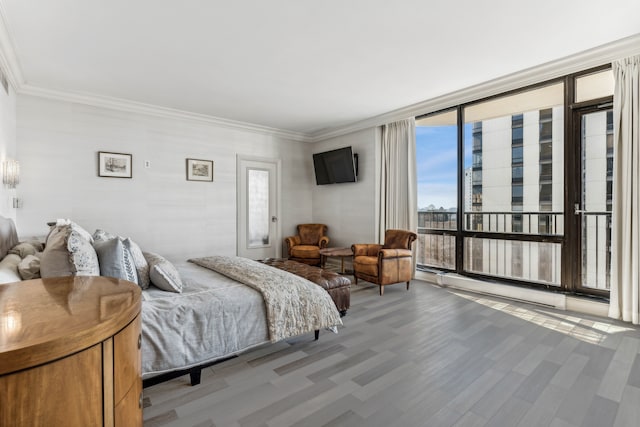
[394,253]
[324,242]
[291,241]
[365,249]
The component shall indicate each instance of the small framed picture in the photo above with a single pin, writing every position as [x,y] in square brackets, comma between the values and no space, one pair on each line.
[114,165]
[199,170]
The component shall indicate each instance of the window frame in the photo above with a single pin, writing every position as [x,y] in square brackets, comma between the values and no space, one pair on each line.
[569,258]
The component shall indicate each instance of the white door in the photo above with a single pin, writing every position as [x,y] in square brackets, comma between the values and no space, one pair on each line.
[258,207]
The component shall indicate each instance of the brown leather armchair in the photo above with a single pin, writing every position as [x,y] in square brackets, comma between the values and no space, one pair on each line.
[305,246]
[385,264]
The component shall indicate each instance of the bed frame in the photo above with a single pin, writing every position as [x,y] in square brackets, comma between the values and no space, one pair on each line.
[195,373]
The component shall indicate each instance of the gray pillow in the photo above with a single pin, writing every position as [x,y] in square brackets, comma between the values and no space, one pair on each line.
[67,253]
[142,266]
[163,274]
[29,267]
[115,260]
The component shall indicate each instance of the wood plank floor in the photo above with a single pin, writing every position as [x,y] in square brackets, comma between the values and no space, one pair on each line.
[424,357]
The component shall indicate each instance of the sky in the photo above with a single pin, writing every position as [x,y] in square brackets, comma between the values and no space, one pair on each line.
[436,161]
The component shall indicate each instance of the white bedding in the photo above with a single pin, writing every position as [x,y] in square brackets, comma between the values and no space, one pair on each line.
[214,317]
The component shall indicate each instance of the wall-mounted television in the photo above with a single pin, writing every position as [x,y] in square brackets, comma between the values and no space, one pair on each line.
[335,166]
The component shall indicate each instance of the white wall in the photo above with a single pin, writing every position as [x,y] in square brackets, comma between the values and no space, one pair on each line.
[348,209]
[7,146]
[57,146]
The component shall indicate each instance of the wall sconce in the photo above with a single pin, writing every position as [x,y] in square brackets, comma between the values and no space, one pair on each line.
[10,173]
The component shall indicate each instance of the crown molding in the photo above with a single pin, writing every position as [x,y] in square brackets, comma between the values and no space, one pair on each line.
[11,66]
[587,59]
[8,59]
[155,110]
[581,61]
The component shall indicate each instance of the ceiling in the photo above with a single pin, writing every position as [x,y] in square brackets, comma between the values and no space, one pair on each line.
[294,65]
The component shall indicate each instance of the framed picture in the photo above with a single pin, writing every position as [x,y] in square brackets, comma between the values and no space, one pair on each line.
[114,165]
[199,170]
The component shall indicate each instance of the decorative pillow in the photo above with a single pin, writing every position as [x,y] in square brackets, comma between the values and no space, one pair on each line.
[115,260]
[23,249]
[9,269]
[102,236]
[163,274]
[67,253]
[142,267]
[84,233]
[29,267]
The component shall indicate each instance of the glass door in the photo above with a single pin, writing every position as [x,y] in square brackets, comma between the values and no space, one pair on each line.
[258,189]
[593,210]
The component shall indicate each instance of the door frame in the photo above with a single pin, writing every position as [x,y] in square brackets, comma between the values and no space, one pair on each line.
[277,238]
[573,198]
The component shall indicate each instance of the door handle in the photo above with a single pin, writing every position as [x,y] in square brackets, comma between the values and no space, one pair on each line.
[577,210]
[274,219]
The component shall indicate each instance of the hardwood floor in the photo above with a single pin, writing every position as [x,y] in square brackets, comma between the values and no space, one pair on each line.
[424,357]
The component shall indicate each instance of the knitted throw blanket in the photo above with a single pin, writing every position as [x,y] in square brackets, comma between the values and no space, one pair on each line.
[294,305]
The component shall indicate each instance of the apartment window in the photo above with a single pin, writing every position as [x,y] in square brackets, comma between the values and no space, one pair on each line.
[516,154]
[546,192]
[545,130]
[516,174]
[546,172]
[516,194]
[515,167]
[546,151]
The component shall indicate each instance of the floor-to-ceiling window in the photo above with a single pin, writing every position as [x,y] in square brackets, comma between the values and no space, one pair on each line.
[519,164]
[437,164]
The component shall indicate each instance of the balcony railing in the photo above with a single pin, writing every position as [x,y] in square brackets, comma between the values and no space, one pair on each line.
[542,223]
[530,257]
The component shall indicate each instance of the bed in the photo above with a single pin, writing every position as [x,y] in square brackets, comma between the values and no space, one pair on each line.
[223,305]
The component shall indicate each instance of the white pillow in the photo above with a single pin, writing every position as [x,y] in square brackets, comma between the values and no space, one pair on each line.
[163,274]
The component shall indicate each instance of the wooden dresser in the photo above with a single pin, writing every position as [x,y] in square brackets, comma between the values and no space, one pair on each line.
[70,353]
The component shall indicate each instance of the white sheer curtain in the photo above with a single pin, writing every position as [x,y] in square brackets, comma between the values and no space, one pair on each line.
[625,218]
[398,182]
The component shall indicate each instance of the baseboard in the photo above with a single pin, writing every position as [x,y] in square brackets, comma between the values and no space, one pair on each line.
[531,296]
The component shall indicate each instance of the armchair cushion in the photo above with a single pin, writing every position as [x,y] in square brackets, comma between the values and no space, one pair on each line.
[305,246]
[367,265]
[305,251]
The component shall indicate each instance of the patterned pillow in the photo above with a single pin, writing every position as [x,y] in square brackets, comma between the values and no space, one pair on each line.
[67,253]
[142,267]
[84,233]
[116,260]
[102,236]
[163,274]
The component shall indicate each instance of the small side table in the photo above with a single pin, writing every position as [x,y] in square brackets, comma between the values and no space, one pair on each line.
[336,252]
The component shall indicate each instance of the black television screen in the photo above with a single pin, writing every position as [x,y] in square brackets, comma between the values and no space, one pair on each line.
[335,166]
